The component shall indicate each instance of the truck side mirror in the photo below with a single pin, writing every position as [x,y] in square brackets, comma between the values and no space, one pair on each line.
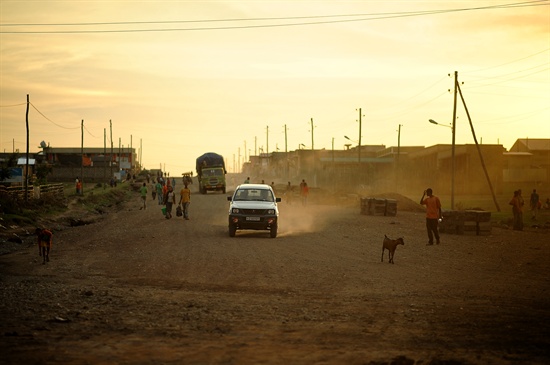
[229,198]
[277,200]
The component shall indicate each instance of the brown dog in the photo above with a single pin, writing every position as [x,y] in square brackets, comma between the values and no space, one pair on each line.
[391,245]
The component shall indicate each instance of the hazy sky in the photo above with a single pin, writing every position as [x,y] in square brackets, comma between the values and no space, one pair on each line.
[189,77]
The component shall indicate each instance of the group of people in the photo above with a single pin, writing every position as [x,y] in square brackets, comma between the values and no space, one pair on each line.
[163,192]
[434,215]
[304,191]
[517,202]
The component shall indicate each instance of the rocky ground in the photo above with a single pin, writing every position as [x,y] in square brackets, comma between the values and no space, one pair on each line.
[135,288]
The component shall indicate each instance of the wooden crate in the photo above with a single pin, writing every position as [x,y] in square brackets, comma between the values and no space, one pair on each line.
[378,206]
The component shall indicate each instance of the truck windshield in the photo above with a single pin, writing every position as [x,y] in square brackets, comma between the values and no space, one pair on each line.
[212,172]
[254,195]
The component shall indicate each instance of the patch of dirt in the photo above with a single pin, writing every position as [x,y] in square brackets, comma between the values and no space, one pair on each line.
[137,288]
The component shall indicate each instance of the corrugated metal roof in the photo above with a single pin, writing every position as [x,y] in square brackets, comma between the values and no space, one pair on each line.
[23,161]
[539,144]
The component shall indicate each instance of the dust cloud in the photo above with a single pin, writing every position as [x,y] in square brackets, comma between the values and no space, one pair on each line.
[297,219]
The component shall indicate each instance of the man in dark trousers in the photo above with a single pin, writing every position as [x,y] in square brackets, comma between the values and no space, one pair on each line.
[433,214]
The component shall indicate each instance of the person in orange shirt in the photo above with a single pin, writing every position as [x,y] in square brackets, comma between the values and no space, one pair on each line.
[433,214]
[185,200]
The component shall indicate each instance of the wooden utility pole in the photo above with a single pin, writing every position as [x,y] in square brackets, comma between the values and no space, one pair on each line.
[398,154]
[82,157]
[104,155]
[131,154]
[453,145]
[479,150]
[312,144]
[111,157]
[27,154]
[286,155]
[119,154]
[359,146]
[267,140]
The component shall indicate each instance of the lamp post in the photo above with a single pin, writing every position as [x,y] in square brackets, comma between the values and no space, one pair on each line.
[453,126]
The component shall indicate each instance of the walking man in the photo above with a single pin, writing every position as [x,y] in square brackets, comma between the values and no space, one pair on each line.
[534,201]
[143,192]
[304,192]
[433,214]
[185,200]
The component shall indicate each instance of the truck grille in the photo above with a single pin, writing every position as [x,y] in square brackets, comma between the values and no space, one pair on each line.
[254,211]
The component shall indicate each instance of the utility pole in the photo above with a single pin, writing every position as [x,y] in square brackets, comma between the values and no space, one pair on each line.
[312,134]
[140,154]
[286,140]
[82,157]
[27,154]
[359,146]
[111,157]
[286,154]
[104,154]
[479,150]
[267,139]
[453,146]
[131,153]
[333,152]
[398,153]
[119,154]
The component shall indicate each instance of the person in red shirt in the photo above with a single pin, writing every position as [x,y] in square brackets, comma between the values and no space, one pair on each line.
[433,214]
[44,243]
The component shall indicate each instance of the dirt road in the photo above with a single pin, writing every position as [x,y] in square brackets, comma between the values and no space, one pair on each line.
[136,288]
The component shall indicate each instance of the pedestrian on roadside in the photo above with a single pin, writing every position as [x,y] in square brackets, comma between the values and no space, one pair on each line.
[247,181]
[44,243]
[169,201]
[185,201]
[158,188]
[288,194]
[304,192]
[78,185]
[517,211]
[154,190]
[433,215]
[534,202]
[143,193]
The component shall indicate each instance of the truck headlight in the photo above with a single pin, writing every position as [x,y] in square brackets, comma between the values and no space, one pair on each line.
[235,210]
[271,211]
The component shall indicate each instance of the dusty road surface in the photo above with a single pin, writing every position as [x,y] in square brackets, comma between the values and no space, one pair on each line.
[136,288]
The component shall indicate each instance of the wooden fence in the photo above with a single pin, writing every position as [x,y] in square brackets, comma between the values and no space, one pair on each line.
[33,191]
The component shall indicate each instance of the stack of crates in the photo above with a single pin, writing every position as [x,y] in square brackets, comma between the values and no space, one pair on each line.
[378,206]
[466,222]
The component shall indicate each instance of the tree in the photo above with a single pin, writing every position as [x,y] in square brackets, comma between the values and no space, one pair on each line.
[6,166]
[42,172]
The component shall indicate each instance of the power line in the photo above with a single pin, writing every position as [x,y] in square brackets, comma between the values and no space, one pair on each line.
[507,63]
[370,16]
[51,121]
[9,106]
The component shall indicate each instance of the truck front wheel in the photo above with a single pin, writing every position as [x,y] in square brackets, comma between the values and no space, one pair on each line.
[273,231]
[232,230]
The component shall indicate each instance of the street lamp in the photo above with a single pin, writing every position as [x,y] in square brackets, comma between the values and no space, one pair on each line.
[453,126]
